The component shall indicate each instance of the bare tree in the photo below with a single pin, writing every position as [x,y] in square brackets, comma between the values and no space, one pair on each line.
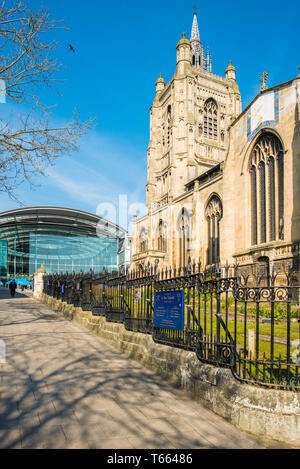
[29,143]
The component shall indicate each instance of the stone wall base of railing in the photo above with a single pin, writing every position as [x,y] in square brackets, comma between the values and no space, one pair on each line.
[268,413]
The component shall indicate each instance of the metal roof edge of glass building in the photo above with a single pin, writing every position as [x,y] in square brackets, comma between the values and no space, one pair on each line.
[118,231]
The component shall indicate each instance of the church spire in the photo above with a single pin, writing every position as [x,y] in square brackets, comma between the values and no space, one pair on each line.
[195,36]
[198,56]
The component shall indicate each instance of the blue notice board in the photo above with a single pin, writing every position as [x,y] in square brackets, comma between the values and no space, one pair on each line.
[169,309]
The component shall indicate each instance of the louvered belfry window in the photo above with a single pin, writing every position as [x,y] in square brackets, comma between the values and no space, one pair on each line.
[210,127]
[267,189]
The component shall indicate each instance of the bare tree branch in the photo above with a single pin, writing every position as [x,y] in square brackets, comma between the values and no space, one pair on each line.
[30,143]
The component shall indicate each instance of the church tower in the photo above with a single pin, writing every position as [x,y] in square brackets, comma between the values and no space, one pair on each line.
[189,137]
[189,119]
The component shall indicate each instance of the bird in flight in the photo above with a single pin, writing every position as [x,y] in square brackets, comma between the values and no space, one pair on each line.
[71,48]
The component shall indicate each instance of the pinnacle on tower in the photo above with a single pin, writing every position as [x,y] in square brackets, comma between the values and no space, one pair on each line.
[198,56]
[160,79]
[160,84]
[230,72]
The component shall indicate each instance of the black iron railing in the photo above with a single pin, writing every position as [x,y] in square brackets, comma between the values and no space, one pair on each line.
[233,316]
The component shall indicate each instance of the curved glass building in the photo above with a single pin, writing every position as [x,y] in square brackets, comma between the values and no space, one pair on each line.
[62,239]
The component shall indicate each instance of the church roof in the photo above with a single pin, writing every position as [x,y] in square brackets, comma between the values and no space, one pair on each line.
[204,177]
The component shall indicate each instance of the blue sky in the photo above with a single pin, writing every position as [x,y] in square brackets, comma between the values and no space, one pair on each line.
[120,49]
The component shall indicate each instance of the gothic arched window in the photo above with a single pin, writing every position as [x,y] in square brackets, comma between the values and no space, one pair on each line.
[214,213]
[143,240]
[266,170]
[161,239]
[211,119]
[184,237]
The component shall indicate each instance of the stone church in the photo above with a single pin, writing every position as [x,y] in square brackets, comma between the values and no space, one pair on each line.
[223,184]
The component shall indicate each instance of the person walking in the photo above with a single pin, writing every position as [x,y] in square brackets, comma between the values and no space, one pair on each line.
[12,287]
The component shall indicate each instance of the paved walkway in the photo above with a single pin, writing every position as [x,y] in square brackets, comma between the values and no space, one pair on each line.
[64,387]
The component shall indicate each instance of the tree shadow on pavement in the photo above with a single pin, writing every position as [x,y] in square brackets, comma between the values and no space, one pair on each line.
[64,387]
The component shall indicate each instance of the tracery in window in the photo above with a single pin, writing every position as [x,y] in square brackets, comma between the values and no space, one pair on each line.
[214,213]
[267,189]
[210,119]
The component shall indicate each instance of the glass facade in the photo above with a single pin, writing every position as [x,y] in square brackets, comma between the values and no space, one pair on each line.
[3,259]
[122,257]
[67,244]
[71,253]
